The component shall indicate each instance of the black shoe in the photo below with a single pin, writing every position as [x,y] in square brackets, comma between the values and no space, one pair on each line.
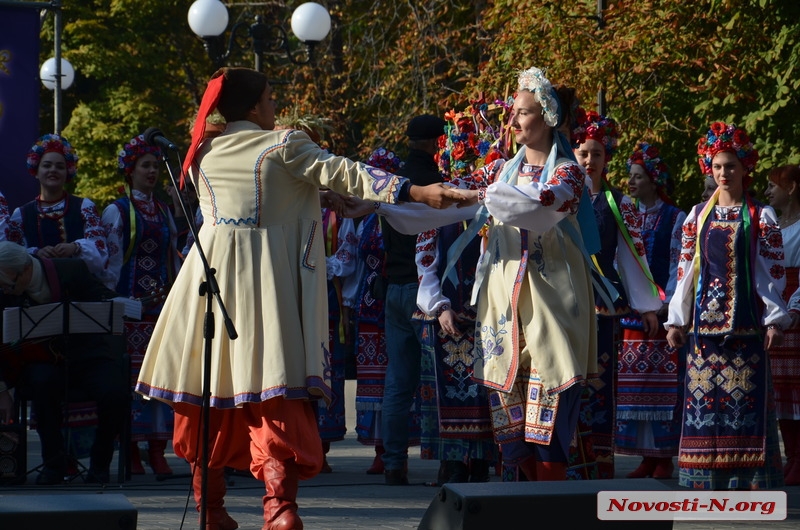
[457,472]
[50,476]
[478,471]
[97,476]
[395,477]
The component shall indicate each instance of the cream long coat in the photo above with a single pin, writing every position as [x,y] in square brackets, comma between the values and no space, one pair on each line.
[258,191]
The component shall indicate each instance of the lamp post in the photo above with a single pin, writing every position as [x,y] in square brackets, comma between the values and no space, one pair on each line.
[57,75]
[208,19]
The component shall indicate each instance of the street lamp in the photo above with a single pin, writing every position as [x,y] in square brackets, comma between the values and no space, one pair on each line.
[57,75]
[208,19]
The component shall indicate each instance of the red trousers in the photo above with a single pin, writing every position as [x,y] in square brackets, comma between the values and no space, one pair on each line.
[249,436]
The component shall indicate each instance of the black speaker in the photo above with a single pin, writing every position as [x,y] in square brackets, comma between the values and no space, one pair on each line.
[84,511]
[567,504]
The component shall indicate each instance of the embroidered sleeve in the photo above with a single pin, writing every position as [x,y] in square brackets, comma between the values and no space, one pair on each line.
[634,270]
[113,225]
[537,206]
[94,247]
[769,271]
[674,254]
[15,232]
[429,295]
[680,306]
[343,262]
[4,215]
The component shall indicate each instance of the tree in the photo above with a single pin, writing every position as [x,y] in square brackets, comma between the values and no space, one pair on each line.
[669,68]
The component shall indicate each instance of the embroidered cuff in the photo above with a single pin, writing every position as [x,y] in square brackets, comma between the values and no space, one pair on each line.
[481,195]
[442,309]
[774,326]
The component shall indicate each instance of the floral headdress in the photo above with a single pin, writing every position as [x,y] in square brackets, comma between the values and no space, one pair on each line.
[597,127]
[649,158]
[533,80]
[133,151]
[52,143]
[385,159]
[473,138]
[722,137]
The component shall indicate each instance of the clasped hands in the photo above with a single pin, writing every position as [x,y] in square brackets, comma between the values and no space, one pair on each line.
[439,196]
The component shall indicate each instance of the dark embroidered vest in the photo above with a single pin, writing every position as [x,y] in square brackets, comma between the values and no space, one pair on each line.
[42,230]
[370,251]
[607,226]
[151,264]
[724,303]
[459,295]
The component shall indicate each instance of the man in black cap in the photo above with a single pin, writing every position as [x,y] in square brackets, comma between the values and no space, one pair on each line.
[402,343]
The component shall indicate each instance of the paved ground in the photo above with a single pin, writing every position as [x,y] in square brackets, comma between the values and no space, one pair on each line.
[343,500]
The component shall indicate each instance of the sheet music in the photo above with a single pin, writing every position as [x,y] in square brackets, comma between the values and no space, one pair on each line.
[46,320]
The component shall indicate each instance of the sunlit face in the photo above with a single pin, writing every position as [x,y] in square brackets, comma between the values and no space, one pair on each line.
[52,171]
[708,188]
[263,113]
[145,174]
[778,197]
[527,120]
[728,173]
[592,156]
[640,186]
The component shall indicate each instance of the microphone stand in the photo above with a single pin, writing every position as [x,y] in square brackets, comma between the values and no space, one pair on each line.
[210,289]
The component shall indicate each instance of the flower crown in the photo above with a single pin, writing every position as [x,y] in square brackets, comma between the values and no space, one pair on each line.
[534,81]
[722,137]
[649,158]
[597,127]
[385,159]
[133,151]
[56,144]
[472,139]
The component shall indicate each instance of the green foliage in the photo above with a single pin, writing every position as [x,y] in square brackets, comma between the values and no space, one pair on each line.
[668,67]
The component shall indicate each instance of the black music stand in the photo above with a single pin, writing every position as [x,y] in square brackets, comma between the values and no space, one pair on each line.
[64,319]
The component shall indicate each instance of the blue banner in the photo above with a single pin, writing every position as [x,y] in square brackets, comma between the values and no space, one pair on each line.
[19,101]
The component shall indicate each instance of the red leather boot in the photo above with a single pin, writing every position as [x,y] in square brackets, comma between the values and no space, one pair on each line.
[280,506]
[136,460]
[217,517]
[664,468]
[645,469]
[529,468]
[551,471]
[377,463]
[155,451]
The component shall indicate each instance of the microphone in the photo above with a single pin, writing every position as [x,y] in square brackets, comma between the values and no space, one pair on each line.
[154,136]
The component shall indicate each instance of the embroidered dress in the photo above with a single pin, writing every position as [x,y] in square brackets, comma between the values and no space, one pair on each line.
[261,233]
[150,267]
[729,434]
[456,423]
[648,375]
[73,219]
[535,333]
[617,263]
[785,360]
[340,258]
[70,220]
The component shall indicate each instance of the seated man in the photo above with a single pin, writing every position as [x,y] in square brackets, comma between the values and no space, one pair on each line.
[86,361]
